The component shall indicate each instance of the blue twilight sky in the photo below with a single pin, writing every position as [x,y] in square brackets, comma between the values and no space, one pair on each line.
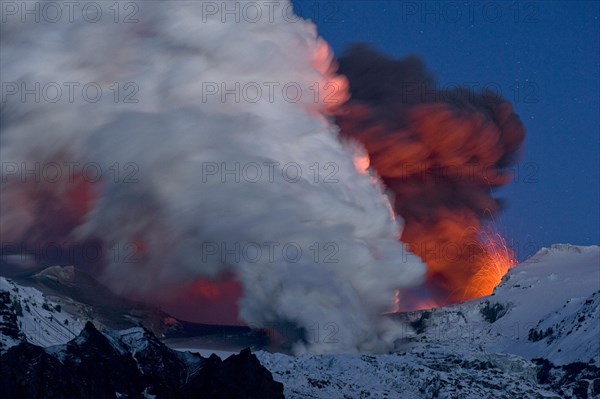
[543,57]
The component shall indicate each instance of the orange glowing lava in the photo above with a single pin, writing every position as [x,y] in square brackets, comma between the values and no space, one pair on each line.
[448,281]
[498,259]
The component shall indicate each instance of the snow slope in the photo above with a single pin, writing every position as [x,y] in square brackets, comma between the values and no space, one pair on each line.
[546,307]
[557,289]
[480,348]
[40,320]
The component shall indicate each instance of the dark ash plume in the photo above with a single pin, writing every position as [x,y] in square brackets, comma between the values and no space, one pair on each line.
[441,153]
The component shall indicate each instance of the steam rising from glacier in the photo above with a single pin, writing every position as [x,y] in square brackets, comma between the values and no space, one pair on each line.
[167,208]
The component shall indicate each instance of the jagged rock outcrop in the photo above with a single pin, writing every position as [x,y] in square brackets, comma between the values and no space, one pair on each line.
[576,380]
[129,364]
[252,381]
[9,329]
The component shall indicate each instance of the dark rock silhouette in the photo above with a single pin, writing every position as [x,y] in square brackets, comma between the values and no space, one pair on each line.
[129,364]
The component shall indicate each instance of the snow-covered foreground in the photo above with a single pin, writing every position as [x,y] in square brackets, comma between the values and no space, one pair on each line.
[537,336]
[424,373]
[547,307]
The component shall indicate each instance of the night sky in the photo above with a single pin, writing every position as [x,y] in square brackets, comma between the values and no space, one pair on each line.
[541,56]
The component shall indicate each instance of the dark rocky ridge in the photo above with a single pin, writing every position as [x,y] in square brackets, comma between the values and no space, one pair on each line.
[129,364]
[8,318]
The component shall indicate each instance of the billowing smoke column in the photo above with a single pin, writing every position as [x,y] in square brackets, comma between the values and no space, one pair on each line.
[196,148]
[440,153]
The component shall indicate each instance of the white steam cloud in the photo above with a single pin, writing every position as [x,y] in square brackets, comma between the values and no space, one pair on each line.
[209,183]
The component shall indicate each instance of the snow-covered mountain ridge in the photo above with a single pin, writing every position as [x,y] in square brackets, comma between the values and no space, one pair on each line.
[38,319]
[546,307]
